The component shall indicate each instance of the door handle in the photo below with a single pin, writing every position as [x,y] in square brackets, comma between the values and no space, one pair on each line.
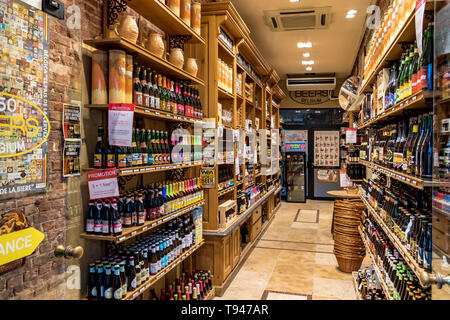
[437,278]
[69,253]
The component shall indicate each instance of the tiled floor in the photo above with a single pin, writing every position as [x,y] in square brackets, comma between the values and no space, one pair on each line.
[294,259]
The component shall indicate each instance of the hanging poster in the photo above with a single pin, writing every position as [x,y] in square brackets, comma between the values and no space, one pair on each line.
[71,158]
[208,176]
[350,135]
[103,184]
[326,148]
[72,121]
[327,175]
[344,180]
[24,122]
[120,124]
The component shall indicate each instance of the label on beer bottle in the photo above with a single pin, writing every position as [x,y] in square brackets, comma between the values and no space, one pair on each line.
[141,216]
[98,226]
[90,226]
[158,103]
[146,100]
[118,293]
[117,226]
[133,283]
[110,163]
[133,217]
[94,291]
[150,159]
[144,158]
[135,158]
[124,290]
[152,102]
[108,293]
[122,160]
[138,97]
[129,160]
[105,226]
[97,160]
[102,291]
[127,220]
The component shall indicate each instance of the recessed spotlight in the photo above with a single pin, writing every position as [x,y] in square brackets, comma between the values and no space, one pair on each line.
[308,62]
[350,16]
[304,44]
[352,12]
[294,0]
[308,69]
[306,54]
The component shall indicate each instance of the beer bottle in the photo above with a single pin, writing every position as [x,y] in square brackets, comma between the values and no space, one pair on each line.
[146,265]
[123,278]
[108,283]
[99,161]
[137,87]
[110,156]
[194,293]
[134,151]
[140,210]
[117,284]
[127,219]
[134,208]
[116,221]
[144,151]
[153,262]
[149,148]
[106,218]
[92,283]
[145,95]
[121,157]
[98,222]
[90,221]
[100,284]
[131,275]
[138,275]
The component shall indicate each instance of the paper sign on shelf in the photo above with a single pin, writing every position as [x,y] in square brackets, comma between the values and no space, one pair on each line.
[420,11]
[19,244]
[350,135]
[120,124]
[344,180]
[103,184]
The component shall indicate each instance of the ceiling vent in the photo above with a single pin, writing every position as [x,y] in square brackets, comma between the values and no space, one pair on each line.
[299,19]
[303,84]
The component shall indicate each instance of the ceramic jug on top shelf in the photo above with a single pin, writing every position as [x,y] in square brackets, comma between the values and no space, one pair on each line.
[128,28]
[155,44]
[177,57]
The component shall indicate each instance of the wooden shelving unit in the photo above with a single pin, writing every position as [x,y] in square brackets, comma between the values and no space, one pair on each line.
[355,285]
[418,271]
[175,30]
[400,176]
[380,276]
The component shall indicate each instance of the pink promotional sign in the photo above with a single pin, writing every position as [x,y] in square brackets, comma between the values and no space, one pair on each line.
[103,184]
[120,124]
[350,135]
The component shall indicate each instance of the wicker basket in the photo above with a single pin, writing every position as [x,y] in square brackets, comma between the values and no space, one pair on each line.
[349,263]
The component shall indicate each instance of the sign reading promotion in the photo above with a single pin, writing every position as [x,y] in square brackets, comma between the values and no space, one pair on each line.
[24,122]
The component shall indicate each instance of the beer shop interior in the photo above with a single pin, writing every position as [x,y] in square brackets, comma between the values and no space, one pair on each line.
[224,150]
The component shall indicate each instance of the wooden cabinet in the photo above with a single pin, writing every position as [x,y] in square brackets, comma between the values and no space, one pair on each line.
[256,215]
[236,246]
[256,229]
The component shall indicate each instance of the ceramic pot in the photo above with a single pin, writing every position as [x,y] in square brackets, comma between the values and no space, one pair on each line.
[177,57]
[191,66]
[155,44]
[128,28]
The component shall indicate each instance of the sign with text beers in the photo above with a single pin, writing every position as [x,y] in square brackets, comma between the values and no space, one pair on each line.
[103,184]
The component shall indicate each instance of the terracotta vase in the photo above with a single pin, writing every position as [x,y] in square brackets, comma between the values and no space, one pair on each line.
[99,77]
[177,57]
[191,66]
[128,28]
[155,44]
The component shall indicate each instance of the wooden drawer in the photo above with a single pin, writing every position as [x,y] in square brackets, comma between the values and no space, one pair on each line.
[256,229]
[440,222]
[441,240]
[256,215]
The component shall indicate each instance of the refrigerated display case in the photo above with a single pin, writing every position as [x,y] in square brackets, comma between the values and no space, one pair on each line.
[295,176]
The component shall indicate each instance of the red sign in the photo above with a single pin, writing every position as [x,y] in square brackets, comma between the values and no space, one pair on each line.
[103,184]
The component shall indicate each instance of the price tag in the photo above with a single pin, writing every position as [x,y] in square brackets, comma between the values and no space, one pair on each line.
[414,98]
[126,171]
[144,228]
[141,290]
[133,233]
[168,116]
[159,275]
[154,224]
[122,238]
[147,111]
[157,113]
[135,294]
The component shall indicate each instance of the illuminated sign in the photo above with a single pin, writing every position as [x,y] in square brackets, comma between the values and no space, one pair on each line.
[295,146]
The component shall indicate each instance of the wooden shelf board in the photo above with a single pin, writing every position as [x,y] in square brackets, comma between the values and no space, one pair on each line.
[355,285]
[225,48]
[226,191]
[151,113]
[416,101]
[145,56]
[153,279]
[400,176]
[129,233]
[395,241]
[384,286]
[164,18]
[224,94]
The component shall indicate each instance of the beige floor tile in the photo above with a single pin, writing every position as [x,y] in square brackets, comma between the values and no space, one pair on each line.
[304,234]
[261,260]
[341,289]
[323,298]
[285,296]
[287,245]
[326,259]
[302,225]
[330,272]
[325,248]
[290,283]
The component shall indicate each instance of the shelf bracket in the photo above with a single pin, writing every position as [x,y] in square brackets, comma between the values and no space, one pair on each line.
[115,8]
[178,41]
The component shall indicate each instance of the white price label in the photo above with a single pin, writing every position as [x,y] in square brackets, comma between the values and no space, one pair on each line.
[122,238]
[133,233]
[144,228]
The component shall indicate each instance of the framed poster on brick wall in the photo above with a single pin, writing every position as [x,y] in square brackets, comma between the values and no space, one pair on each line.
[24,96]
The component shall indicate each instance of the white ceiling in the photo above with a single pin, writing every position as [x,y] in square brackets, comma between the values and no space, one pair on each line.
[333,49]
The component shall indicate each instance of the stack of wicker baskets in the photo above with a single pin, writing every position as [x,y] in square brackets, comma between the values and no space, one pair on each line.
[348,246]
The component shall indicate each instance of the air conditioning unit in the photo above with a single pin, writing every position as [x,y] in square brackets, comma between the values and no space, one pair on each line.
[319,83]
[298,19]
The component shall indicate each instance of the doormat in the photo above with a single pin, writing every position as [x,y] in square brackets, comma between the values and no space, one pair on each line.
[307,216]
[280,295]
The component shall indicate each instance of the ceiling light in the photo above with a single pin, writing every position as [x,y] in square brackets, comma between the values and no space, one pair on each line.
[306,54]
[294,0]
[350,16]
[308,69]
[351,12]
[308,62]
